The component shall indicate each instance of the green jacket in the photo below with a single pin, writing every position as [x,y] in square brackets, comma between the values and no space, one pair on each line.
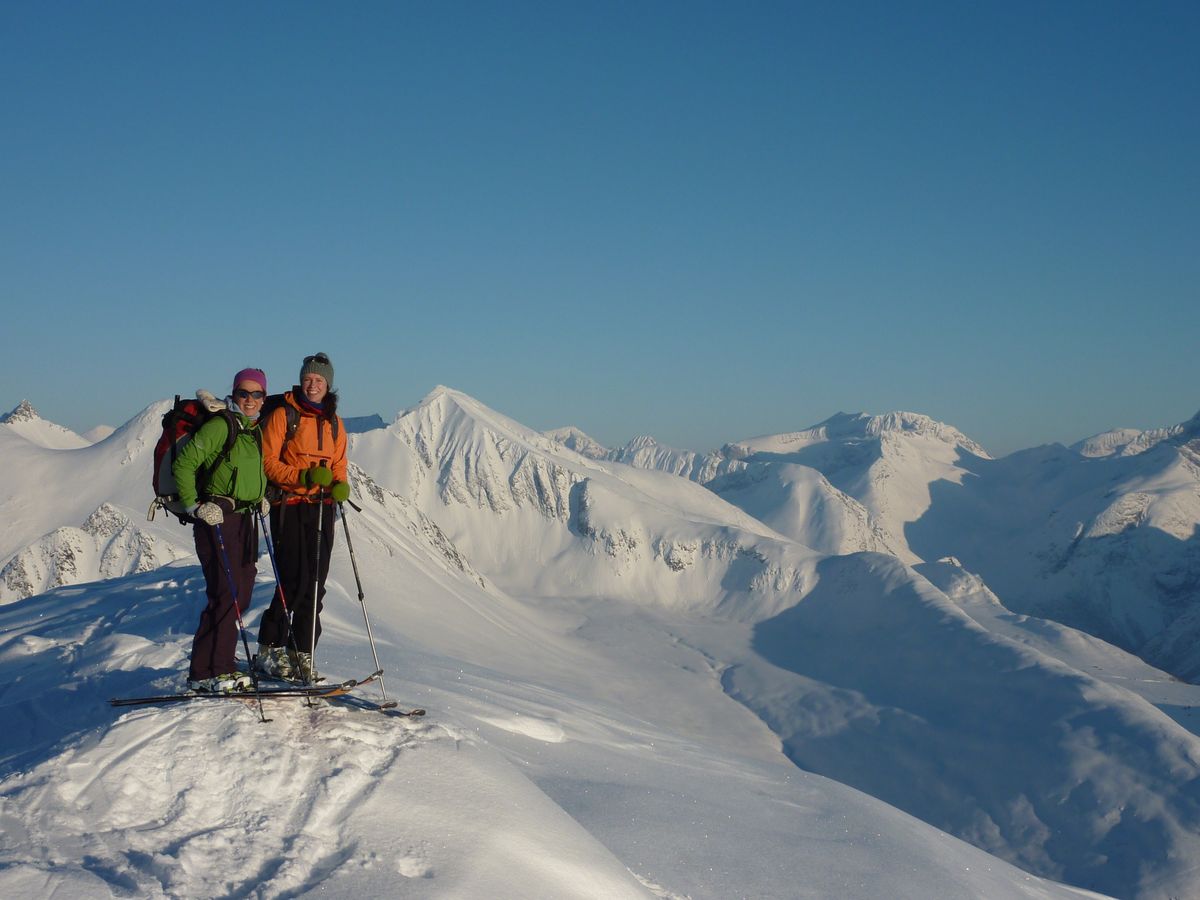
[240,476]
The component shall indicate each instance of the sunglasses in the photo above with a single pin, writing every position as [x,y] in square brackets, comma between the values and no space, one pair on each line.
[242,394]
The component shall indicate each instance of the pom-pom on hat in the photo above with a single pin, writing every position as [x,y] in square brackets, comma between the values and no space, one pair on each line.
[250,375]
[318,364]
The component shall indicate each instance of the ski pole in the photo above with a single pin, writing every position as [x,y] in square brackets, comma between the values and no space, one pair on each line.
[241,625]
[312,658]
[291,638]
[362,599]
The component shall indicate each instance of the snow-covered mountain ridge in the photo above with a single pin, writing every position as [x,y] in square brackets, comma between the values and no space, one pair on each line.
[613,529]
[1101,536]
[846,427]
[1130,441]
[24,420]
[106,545]
[593,624]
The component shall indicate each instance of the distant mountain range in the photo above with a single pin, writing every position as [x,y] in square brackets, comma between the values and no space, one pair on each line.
[944,631]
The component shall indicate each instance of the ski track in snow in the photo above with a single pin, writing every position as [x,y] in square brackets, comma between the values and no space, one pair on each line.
[263,819]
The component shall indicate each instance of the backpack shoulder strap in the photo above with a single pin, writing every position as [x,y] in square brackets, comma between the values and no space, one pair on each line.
[293,421]
[232,429]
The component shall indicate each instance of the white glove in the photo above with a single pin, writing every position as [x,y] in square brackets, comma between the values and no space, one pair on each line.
[209,514]
[264,507]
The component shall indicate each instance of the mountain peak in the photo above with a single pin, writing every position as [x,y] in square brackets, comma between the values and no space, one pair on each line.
[576,439]
[643,441]
[916,423]
[22,412]
[441,392]
[856,428]
[1132,441]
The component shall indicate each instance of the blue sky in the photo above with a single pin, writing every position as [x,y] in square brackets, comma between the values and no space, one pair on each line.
[701,221]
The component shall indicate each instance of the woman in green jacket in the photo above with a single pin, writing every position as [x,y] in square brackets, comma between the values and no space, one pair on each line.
[224,490]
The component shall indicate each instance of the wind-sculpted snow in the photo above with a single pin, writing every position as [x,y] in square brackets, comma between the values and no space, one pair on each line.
[203,801]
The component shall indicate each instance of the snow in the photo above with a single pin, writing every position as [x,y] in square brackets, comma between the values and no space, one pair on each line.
[1131,441]
[773,686]
[24,421]
[98,433]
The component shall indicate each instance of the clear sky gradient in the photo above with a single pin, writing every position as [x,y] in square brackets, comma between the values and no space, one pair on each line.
[701,221]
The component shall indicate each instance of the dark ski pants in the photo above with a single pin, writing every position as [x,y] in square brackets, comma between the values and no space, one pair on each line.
[214,649]
[294,531]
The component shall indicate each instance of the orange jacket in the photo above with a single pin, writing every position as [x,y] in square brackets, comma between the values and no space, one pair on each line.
[312,444]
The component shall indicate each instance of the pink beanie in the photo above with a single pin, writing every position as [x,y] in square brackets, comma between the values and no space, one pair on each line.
[250,375]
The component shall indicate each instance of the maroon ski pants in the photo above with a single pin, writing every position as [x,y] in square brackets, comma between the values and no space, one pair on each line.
[214,649]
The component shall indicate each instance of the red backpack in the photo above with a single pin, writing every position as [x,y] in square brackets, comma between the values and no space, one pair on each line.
[179,423]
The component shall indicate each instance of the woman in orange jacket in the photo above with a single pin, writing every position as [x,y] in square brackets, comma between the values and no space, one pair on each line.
[304,456]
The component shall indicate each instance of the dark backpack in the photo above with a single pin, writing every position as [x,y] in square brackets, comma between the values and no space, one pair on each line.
[179,423]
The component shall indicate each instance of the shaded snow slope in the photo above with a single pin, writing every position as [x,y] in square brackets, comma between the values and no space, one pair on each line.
[1109,545]
[896,690]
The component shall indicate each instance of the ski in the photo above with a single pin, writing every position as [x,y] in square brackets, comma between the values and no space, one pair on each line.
[388,707]
[311,691]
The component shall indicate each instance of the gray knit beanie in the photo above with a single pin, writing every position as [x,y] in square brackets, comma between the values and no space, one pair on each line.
[318,364]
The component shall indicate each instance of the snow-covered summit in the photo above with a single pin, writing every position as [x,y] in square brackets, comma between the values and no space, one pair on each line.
[24,420]
[107,545]
[574,439]
[516,500]
[846,427]
[1131,441]
[98,433]
[887,463]
[22,412]
[645,452]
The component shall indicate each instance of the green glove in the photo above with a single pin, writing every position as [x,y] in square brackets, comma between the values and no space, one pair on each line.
[340,491]
[317,476]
